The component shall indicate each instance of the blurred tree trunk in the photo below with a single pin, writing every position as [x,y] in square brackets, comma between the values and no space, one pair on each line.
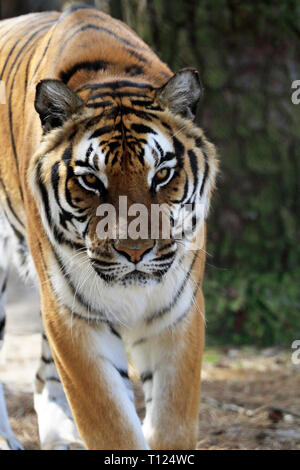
[103,5]
[10,8]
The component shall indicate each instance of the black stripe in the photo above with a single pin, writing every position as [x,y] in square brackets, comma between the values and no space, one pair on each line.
[66,158]
[185,191]
[104,263]
[2,326]
[37,376]
[83,164]
[42,56]
[101,29]
[67,155]
[145,376]
[114,331]
[43,192]
[8,57]
[58,235]
[102,316]
[166,247]
[134,70]
[89,151]
[52,379]
[139,102]
[101,131]
[94,120]
[99,104]
[206,170]
[47,360]
[142,129]
[137,112]
[119,94]
[115,85]
[3,288]
[159,148]
[15,25]
[194,166]
[55,180]
[172,304]
[166,256]
[136,55]
[32,36]
[94,66]
[22,25]
[123,373]
[179,151]
[185,313]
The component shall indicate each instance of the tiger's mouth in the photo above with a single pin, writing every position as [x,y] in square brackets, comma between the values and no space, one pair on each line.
[116,273]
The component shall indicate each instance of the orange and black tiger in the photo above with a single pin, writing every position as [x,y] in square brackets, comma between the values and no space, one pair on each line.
[93,120]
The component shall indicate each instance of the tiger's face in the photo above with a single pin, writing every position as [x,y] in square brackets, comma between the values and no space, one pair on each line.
[117,169]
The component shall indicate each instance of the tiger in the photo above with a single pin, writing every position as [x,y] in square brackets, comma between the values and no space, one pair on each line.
[92,115]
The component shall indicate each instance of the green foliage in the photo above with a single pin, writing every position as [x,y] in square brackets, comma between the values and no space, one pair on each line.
[252,308]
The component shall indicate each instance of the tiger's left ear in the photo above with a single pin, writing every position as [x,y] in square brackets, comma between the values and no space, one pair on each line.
[55,102]
[181,93]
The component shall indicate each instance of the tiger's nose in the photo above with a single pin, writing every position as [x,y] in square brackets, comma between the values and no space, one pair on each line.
[134,254]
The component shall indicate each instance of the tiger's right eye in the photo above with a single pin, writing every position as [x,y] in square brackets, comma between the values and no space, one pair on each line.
[90,182]
[162,177]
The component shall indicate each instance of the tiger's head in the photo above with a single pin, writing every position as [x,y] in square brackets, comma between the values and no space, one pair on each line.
[117,142]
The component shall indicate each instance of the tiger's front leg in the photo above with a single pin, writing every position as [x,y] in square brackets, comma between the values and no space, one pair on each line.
[57,428]
[92,364]
[170,369]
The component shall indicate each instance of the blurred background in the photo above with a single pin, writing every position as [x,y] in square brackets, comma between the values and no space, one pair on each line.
[248,55]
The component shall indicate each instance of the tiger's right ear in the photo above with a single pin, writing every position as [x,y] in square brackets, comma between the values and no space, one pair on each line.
[181,93]
[55,102]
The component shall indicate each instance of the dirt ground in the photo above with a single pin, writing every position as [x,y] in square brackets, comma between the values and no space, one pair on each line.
[250,398]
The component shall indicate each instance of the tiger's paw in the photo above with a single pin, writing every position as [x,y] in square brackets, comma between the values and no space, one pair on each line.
[57,428]
[63,445]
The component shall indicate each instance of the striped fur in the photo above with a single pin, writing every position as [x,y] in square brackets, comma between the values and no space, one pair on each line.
[92,114]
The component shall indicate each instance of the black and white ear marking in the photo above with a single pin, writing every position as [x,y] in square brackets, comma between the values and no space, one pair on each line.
[182,93]
[55,102]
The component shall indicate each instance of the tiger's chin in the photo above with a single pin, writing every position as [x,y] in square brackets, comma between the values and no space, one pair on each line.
[133,278]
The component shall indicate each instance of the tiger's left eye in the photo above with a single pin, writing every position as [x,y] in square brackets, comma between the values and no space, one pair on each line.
[90,180]
[162,175]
